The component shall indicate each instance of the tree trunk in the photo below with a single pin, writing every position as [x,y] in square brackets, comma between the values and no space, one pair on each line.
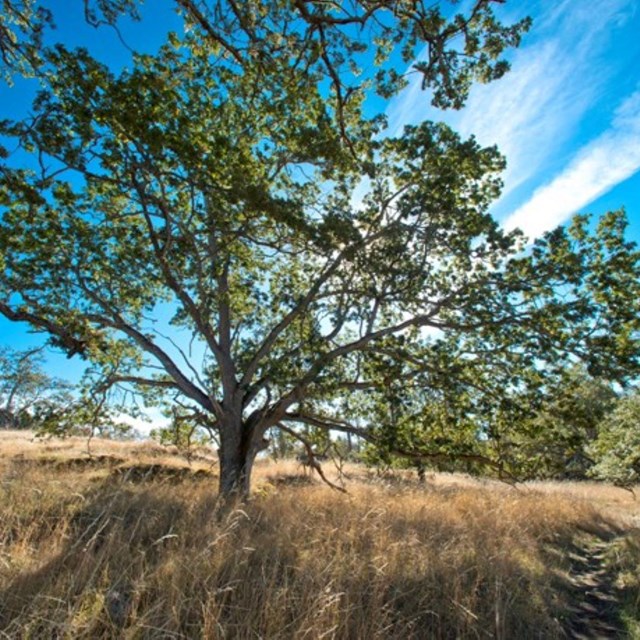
[239,445]
[235,475]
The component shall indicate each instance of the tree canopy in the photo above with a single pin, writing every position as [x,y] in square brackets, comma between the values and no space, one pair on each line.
[223,178]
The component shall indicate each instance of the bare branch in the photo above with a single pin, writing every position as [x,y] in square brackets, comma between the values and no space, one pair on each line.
[311,457]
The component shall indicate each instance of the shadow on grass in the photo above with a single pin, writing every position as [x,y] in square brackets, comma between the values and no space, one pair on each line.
[100,547]
[150,561]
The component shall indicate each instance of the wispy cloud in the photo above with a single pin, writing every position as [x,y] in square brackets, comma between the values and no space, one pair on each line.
[534,113]
[555,80]
[609,159]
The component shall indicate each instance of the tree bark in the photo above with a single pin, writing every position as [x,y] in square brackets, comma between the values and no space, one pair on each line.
[239,446]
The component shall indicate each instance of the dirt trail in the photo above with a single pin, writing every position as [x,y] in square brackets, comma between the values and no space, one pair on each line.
[594,614]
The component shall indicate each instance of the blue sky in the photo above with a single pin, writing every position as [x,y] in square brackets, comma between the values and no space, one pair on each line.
[567,116]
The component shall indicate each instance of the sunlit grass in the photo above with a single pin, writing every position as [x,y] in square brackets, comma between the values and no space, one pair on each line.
[87,553]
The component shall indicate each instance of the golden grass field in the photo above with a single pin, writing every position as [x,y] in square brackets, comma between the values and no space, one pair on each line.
[124,544]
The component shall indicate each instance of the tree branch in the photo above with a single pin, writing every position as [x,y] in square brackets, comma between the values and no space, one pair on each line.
[311,456]
[344,427]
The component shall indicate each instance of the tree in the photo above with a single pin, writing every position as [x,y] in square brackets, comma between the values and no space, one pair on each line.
[26,391]
[616,450]
[555,441]
[32,399]
[220,178]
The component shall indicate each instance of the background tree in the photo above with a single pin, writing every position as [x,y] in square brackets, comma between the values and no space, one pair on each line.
[281,444]
[555,441]
[26,391]
[85,415]
[31,399]
[616,451]
[221,179]
[184,430]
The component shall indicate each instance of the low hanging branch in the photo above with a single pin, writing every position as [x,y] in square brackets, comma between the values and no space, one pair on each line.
[417,456]
[311,456]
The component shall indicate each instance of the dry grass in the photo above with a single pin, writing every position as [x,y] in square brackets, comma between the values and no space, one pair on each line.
[86,553]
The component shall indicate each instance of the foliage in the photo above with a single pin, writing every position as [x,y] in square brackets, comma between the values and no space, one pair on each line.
[84,416]
[26,391]
[328,41]
[24,25]
[184,430]
[282,445]
[516,423]
[556,441]
[31,399]
[617,447]
[222,179]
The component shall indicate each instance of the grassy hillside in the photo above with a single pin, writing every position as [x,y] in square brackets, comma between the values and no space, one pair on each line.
[123,544]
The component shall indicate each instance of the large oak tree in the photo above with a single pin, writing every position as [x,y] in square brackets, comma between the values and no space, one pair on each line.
[235,178]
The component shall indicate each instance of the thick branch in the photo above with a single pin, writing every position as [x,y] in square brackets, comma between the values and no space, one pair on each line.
[182,382]
[144,382]
[310,296]
[213,33]
[71,344]
[171,280]
[116,321]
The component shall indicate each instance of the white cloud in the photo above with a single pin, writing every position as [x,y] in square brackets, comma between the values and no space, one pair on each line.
[154,420]
[533,112]
[609,159]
